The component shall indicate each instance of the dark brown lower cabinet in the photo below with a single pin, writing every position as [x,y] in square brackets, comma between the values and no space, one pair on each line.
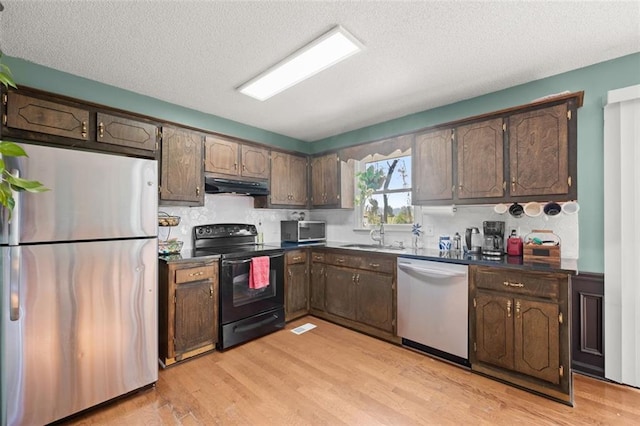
[356,290]
[340,292]
[317,287]
[587,330]
[519,329]
[296,283]
[187,309]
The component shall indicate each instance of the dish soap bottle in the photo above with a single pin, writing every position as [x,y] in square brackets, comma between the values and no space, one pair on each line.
[260,234]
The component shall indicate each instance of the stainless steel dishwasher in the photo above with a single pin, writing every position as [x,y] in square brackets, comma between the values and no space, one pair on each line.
[433,308]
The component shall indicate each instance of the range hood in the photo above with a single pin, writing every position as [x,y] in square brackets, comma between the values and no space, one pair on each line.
[215,185]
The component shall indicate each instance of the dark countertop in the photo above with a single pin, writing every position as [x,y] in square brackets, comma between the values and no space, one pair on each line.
[568,266]
[186,255]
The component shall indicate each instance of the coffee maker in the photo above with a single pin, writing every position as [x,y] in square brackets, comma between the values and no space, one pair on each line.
[493,244]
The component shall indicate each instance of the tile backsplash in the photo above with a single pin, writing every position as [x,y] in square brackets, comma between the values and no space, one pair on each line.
[231,208]
[225,208]
[341,226]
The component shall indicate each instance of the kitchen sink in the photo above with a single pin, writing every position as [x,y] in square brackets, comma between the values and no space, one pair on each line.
[372,247]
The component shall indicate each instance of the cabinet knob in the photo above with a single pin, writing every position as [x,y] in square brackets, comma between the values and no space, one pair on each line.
[518,310]
[101,130]
[84,129]
[235,166]
[508,308]
[197,190]
[513,184]
[374,265]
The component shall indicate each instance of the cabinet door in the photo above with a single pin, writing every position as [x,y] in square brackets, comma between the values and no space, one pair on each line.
[279,192]
[255,162]
[221,156]
[317,182]
[374,295]
[121,131]
[432,166]
[494,329]
[317,286]
[539,152]
[297,293]
[480,159]
[37,115]
[324,180]
[537,339]
[195,325]
[340,292]
[182,177]
[298,180]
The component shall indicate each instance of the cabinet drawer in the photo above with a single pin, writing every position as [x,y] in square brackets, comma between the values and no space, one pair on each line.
[534,284]
[378,264]
[317,257]
[297,256]
[196,273]
[370,263]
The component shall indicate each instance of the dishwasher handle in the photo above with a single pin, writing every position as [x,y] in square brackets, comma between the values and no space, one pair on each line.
[436,273]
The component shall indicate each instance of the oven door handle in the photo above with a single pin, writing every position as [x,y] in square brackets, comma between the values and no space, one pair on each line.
[239,262]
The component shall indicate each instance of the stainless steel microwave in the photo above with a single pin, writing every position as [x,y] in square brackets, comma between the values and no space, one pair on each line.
[302,231]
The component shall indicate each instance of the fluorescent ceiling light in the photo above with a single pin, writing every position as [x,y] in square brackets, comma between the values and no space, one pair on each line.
[318,55]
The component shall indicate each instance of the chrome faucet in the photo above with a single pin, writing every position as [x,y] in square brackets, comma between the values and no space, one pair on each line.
[378,234]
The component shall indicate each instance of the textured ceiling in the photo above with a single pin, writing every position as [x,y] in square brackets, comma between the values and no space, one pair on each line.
[418,55]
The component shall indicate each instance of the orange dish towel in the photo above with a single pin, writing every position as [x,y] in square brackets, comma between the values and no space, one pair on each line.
[259,272]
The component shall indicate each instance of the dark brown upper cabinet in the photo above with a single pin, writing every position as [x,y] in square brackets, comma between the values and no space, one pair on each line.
[37,115]
[47,118]
[288,183]
[228,157]
[524,153]
[432,166]
[539,152]
[182,174]
[332,182]
[480,170]
[122,131]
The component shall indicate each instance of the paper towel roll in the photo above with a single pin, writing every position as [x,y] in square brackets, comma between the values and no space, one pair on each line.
[439,210]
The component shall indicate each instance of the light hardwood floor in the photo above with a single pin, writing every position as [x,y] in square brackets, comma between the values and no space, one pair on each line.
[331,376]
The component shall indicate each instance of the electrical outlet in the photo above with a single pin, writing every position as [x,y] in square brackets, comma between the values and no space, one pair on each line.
[428,230]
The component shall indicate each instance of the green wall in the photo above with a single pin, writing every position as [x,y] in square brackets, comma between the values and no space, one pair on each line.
[51,80]
[594,80]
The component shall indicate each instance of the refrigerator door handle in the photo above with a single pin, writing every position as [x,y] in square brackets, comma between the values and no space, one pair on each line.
[14,224]
[14,282]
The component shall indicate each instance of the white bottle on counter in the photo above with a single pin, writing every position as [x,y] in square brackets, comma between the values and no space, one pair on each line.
[260,234]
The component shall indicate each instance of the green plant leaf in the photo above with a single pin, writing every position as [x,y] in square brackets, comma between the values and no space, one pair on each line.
[11,149]
[19,184]
[7,80]
[6,197]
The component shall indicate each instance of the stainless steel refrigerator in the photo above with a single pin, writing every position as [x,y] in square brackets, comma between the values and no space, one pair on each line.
[79,284]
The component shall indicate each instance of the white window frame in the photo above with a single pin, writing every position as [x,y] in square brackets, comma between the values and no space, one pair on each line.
[358,208]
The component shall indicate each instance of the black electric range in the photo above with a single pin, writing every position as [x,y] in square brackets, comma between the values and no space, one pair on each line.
[246,312]
[229,240]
